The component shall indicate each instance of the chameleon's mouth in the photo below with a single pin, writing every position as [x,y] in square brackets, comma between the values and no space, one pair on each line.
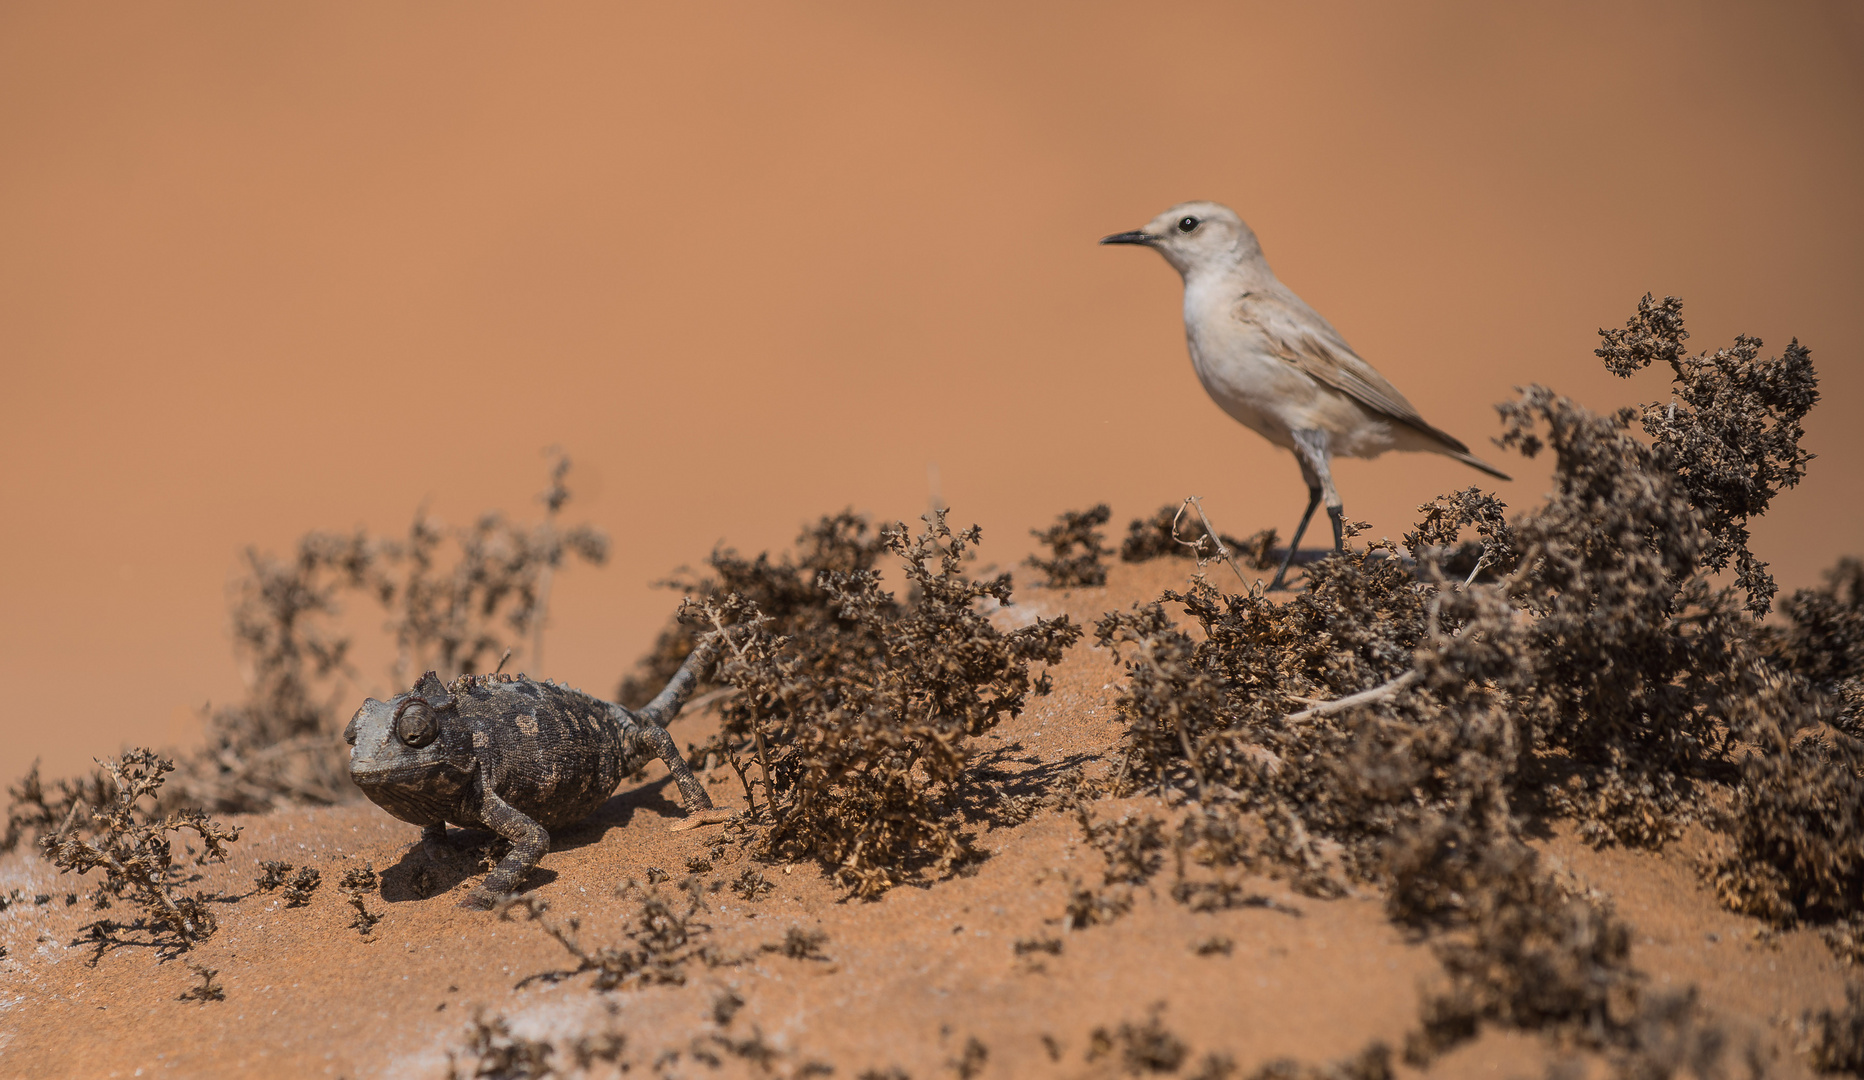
[392,776]
[422,794]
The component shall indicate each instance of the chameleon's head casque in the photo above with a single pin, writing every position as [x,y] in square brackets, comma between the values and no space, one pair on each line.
[396,744]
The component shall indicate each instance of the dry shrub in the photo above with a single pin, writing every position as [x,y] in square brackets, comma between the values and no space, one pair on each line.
[784,590]
[1372,1063]
[799,944]
[33,813]
[1837,1043]
[853,706]
[1525,956]
[1075,547]
[494,1052]
[1139,1048]
[662,938]
[1170,533]
[210,988]
[1581,659]
[1823,640]
[356,884]
[134,849]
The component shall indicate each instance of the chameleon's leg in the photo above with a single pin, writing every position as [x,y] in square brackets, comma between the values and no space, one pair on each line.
[692,792]
[434,843]
[528,843]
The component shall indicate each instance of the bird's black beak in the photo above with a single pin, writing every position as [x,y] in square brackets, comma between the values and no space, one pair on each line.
[1137,236]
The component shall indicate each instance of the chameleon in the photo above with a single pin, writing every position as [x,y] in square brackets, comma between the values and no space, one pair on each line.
[515,756]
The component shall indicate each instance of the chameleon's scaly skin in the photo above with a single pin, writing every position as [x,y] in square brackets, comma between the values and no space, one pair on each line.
[512,755]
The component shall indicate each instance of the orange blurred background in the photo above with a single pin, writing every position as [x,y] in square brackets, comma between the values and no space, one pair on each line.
[272,268]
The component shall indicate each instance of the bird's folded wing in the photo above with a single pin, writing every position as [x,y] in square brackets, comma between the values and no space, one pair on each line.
[1300,336]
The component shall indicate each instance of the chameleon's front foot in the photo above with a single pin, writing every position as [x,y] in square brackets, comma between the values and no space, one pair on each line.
[529,841]
[482,899]
[434,844]
[500,885]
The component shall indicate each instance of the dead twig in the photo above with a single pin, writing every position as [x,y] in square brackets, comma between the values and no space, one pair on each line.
[1196,502]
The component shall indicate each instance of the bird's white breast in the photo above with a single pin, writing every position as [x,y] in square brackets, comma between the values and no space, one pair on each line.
[1240,368]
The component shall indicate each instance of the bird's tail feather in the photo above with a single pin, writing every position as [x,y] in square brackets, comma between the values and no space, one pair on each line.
[1475,462]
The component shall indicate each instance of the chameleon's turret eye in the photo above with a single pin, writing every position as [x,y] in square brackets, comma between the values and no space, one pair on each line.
[415,723]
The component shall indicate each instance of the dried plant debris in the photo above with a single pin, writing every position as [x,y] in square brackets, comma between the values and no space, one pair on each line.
[1086,905]
[1139,1048]
[1836,1042]
[662,938]
[298,890]
[356,884]
[1032,945]
[1132,845]
[493,1051]
[1372,1063]
[783,590]
[971,1059]
[849,726]
[273,874]
[34,813]
[1075,546]
[1399,724]
[1528,957]
[1172,534]
[134,850]
[725,1006]
[1823,641]
[751,884]
[210,988]
[799,944]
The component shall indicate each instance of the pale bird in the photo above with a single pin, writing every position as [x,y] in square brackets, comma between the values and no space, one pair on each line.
[1276,366]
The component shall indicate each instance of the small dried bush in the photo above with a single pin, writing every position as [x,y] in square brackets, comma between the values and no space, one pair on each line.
[1167,535]
[210,988]
[662,938]
[799,944]
[1823,640]
[1075,548]
[751,884]
[1147,1047]
[34,813]
[1527,956]
[492,1051]
[134,849]
[1837,1043]
[1372,1063]
[852,707]
[783,590]
[356,884]
[298,890]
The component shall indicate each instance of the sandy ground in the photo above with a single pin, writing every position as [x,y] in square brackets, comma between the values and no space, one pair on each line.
[907,982]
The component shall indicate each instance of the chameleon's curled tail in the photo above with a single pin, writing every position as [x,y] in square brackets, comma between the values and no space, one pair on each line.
[666,705]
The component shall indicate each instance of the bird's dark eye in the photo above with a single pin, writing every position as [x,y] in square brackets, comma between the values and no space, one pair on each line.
[1187,224]
[415,723]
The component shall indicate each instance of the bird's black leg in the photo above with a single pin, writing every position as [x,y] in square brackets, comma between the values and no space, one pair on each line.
[1294,545]
[1311,448]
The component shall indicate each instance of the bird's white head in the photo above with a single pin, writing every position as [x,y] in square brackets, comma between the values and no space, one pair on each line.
[1198,237]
